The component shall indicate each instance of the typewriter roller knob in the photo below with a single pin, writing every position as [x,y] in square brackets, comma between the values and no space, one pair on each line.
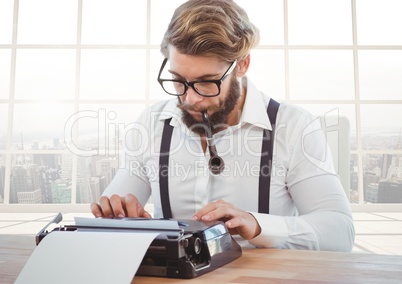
[196,245]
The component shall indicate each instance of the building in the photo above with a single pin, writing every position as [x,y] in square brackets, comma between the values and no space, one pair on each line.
[385,164]
[66,167]
[48,160]
[107,167]
[2,176]
[61,191]
[30,197]
[84,194]
[47,176]
[56,144]
[371,193]
[395,169]
[102,184]
[2,182]
[24,178]
[95,188]
[390,192]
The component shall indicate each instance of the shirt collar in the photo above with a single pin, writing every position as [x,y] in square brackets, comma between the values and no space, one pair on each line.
[255,107]
[172,111]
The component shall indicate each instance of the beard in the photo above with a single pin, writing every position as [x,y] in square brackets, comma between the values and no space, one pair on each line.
[219,118]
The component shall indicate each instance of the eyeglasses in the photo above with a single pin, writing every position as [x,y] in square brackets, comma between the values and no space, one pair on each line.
[205,88]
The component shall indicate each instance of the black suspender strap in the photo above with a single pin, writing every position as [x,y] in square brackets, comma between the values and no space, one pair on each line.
[266,159]
[164,169]
[265,164]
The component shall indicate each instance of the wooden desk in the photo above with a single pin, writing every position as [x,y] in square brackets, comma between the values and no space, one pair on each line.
[255,266]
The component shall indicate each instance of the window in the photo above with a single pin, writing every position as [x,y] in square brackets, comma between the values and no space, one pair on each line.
[71,82]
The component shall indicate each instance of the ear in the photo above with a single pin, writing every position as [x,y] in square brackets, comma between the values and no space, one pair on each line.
[243,66]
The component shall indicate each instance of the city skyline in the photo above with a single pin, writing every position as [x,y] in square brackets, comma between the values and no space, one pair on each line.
[47,178]
[52,173]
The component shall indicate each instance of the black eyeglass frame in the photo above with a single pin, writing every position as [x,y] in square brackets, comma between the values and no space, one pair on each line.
[186,84]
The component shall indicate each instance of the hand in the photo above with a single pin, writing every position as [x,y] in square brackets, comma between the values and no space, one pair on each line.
[236,220]
[117,206]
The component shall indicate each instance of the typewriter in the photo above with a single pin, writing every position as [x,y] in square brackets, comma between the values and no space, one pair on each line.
[188,251]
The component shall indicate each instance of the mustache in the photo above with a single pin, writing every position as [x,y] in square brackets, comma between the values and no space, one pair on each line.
[188,107]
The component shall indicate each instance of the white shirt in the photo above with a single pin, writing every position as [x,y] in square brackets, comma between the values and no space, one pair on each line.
[308,207]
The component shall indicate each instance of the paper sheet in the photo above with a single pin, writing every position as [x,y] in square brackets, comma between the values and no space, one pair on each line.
[86,257]
[128,223]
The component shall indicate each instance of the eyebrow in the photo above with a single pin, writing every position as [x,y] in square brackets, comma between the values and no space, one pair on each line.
[203,77]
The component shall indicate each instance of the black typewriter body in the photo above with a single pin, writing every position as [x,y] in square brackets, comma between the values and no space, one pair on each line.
[203,247]
[193,250]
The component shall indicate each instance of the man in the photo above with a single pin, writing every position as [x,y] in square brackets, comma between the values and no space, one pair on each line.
[219,114]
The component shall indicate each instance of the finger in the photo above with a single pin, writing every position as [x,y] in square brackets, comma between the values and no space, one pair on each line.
[133,206]
[96,210]
[106,209]
[233,231]
[235,222]
[117,206]
[203,212]
[222,213]
[245,225]
[237,227]
[146,214]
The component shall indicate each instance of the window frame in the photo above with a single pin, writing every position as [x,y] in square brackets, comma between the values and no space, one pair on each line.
[149,48]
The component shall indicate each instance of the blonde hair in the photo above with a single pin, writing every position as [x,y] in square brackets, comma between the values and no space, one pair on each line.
[217,28]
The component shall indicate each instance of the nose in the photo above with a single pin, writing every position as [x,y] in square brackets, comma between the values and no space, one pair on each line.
[192,97]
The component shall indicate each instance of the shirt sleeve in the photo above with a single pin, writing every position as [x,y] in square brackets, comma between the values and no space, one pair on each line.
[124,183]
[325,221]
[131,175]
